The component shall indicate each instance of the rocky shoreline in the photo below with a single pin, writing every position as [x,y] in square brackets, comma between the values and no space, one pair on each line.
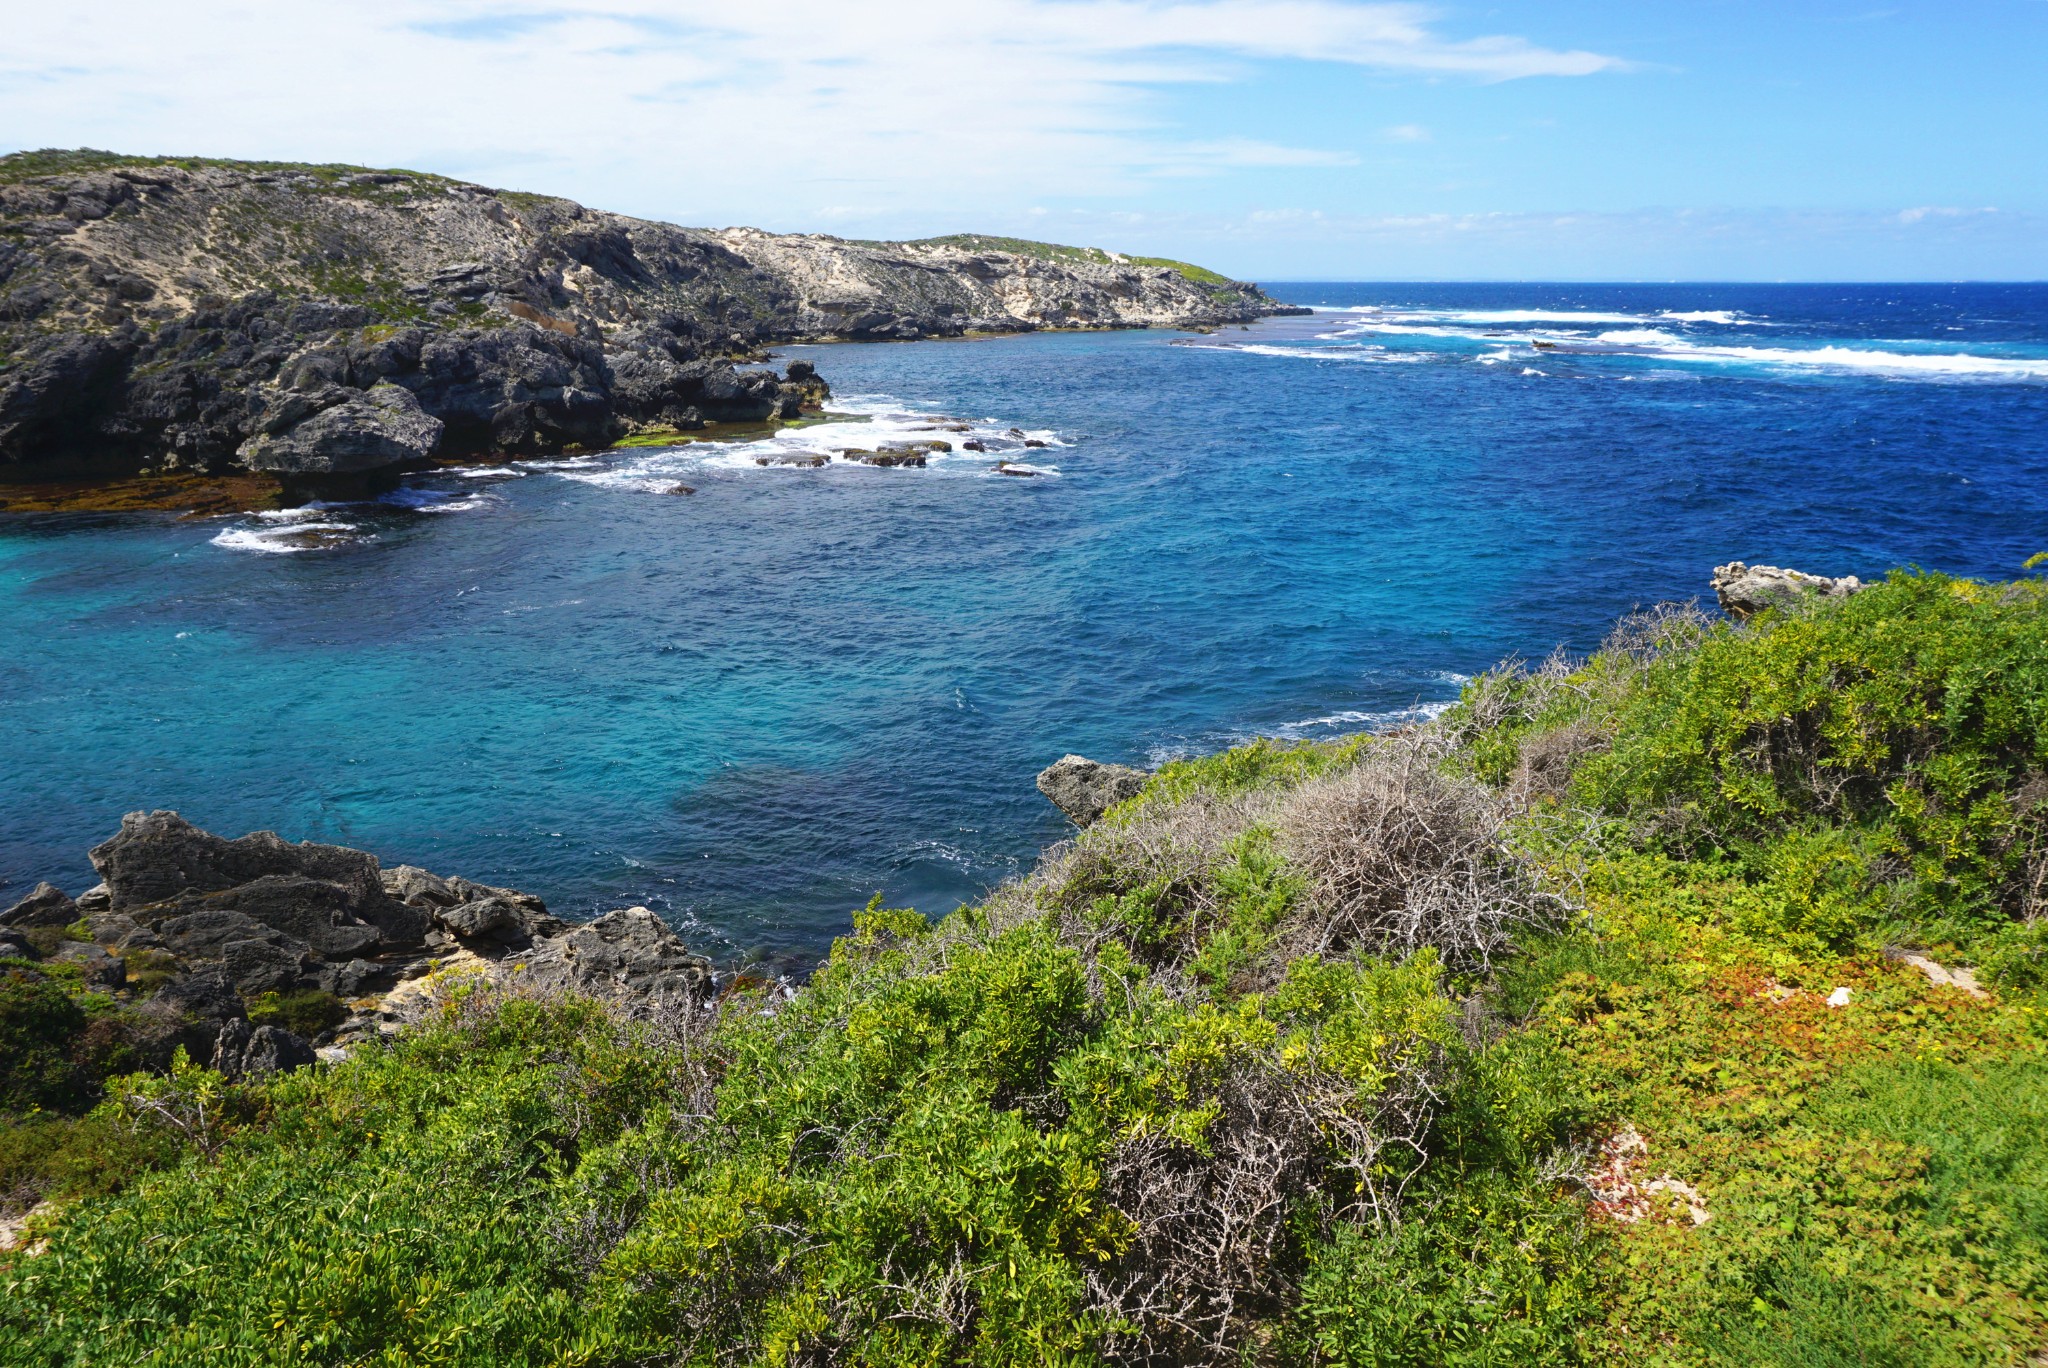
[254,954]
[258,953]
[310,324]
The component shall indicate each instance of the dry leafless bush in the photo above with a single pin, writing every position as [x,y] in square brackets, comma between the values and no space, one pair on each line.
[1176,848]
[1515,692]
[1211,1228]
[1399,855]
[1650,633]
[1545,761]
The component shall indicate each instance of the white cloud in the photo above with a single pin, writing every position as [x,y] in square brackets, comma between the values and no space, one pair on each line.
[691,109]
[1301,243]
[1406,133]
[1928,211]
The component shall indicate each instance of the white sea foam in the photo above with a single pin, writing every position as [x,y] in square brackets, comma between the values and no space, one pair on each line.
[1903,364]
[869,422]
[1727,318]
[1354,352]
[564,463]
[285,531]
[1485,316]
[1663,344]
[434,500]
[1352,720]
[1640,337]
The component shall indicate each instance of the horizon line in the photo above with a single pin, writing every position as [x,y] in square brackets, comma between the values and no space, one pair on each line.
[1546,280]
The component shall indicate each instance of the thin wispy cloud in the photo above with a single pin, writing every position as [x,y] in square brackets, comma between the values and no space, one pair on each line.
[662,106]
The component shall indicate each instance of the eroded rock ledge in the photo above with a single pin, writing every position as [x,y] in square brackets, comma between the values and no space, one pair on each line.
[194,315]
[197,930]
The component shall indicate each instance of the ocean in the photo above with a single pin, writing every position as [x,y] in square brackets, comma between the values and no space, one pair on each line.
[754,706]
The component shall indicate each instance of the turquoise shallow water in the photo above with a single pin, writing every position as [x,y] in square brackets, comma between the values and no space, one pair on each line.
[753,706]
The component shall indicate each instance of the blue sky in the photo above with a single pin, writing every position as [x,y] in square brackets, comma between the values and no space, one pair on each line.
[1302,139]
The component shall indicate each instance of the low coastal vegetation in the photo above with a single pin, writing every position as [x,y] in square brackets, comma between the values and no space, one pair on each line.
[1089,256]
[1678,1005]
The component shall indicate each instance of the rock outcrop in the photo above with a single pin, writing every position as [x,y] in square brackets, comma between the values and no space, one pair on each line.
[221,924]
[45,906]
[363,430]
[196,315]
[1746,590]
[1084,789]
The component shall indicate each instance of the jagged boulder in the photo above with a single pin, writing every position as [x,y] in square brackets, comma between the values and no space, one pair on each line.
[372,429]
[46,906]
[630,954]
[1746,590]
[159,855]
[241,1050]
[1084,789]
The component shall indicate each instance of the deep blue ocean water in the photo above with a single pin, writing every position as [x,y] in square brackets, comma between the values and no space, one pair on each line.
[753,706]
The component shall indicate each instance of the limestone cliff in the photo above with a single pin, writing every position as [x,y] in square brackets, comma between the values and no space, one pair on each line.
[181,313]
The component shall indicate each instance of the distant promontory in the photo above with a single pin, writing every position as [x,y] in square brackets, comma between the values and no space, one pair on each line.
[176,315]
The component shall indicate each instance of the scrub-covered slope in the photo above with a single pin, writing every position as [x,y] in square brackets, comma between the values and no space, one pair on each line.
[195,314]
[1618,1016]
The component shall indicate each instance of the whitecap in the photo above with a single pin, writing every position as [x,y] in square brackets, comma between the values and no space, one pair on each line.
[1859,359]
[1355,720]
[1485,316]
[433,500]
[1353,352]
[1727,318]
[286,538]
[1640,337]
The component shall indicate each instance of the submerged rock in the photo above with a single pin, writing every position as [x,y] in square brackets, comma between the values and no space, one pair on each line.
[1084,789]
[1746,590]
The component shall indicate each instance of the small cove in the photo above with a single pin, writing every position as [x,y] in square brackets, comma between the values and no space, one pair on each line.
[753,706]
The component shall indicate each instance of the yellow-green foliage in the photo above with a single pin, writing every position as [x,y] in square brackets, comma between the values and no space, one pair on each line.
[1000,1139]
[1259,764]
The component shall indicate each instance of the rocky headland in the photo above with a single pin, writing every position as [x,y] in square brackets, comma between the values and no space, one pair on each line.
[252,953]
[162,318]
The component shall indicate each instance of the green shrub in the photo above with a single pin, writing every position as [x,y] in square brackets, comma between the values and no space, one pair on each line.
[39,1020]
[1874,750]
[1263,763]
[1199,1091]
[304,1011]
[397,1210]
[46,1155]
